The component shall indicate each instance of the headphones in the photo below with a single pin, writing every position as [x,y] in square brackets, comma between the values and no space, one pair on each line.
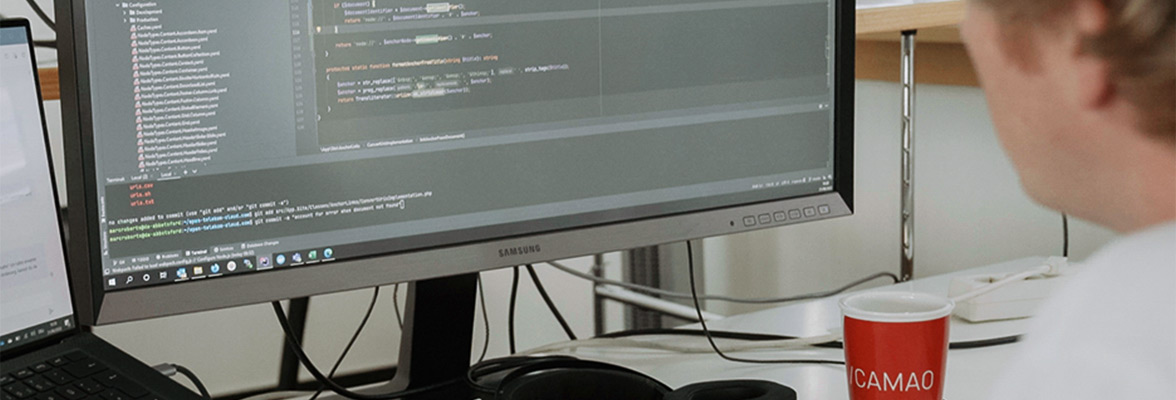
[569,378]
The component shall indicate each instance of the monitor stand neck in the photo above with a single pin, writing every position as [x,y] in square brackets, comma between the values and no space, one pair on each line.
[435,343]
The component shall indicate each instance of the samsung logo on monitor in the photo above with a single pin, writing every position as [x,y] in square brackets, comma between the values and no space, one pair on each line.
[518,251]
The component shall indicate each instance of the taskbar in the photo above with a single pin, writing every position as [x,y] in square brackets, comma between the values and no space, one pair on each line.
[218,268]
[36,332]
[181,273]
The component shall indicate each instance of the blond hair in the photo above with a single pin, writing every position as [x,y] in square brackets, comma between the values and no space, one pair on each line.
[1139,45]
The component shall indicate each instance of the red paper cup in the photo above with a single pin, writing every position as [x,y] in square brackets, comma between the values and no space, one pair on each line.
[896,345]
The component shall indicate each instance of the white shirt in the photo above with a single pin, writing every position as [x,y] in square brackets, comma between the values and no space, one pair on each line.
[1108,334]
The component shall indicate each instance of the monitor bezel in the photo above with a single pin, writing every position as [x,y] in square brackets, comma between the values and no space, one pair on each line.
[95,306]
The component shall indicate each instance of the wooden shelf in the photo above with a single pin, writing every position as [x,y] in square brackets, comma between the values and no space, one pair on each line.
[915,16]
[943,34]
[50,85]
[936,62]
[940,56]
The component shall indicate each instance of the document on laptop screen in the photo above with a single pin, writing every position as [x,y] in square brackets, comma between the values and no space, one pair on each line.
[34,289]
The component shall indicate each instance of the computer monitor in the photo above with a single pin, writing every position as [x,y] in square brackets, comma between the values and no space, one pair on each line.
[228,152]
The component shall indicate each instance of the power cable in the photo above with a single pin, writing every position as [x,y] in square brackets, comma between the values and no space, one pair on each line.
[550,304]
[195,381]
[510,321]
[755,337]
[41,13]
[331,384]
[710,339]
[1065,236]
[485,319]
[347,349]
[396,305]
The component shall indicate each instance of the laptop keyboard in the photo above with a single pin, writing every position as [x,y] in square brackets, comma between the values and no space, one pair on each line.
[73,376]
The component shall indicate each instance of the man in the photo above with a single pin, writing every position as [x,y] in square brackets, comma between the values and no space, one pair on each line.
[1083,97]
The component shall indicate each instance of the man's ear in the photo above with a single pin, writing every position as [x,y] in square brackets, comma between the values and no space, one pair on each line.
[1091,74]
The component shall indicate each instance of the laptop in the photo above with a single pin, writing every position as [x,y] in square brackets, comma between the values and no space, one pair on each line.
[44,355]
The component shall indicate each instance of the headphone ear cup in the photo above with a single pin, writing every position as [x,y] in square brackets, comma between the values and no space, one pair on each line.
[487,377]
[582,384]
[745,389]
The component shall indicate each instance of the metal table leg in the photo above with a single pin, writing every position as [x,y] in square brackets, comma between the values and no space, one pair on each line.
[907,222]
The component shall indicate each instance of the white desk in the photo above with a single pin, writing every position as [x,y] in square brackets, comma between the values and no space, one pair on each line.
[970,373]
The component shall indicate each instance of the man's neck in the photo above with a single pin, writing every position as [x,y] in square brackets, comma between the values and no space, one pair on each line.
[1147,184]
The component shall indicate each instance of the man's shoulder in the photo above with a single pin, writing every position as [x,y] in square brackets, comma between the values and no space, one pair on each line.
[1152,248]
[1132,275]
[1137,266]
[1112,327]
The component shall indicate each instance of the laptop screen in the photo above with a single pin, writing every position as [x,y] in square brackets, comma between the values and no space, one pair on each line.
[34,288]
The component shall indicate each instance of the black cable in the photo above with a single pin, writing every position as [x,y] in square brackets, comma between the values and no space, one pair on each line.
[550,304]
[693,332]
[976,344]
[1065,236]
[706,331]
[510,320]
[335,387]
[347,349]
[759,337]
[41,13]
[485,319]
[195,381]
[396,305]
[297,314]
[966,345]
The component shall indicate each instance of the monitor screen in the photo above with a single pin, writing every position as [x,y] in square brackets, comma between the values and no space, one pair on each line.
[227,138]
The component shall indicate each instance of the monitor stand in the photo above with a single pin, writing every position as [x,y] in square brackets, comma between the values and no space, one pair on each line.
[435,344]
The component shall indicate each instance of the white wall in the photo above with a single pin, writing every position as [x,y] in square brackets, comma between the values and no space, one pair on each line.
[969,208]
[970,212]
